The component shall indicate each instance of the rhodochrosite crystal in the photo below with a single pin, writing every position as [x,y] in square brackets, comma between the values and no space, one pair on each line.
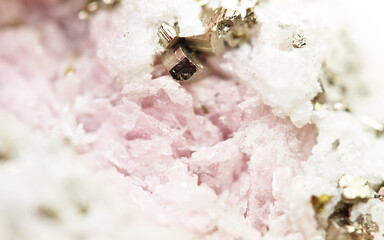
[281,138]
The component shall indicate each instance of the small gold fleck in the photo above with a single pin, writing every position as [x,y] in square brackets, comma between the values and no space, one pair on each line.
[47,212]
[110,2]
[205,109]
[318,203]
[83,208]
[69,70]
[335,144]
[320,98]
[75,54]
[340,106]
[3,157]
[93,6]
[83,15]
[318,106]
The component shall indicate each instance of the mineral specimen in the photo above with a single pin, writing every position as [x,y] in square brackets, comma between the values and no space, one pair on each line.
[223,26]
[332,94]
[234,156]
[365,227]
[232,26]
[362,229]
[340,227]
[209,43]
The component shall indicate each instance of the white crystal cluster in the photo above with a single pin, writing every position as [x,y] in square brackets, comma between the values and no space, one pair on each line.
[103,144]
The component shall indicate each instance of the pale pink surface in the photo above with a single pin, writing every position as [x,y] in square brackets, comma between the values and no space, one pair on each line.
[167,140]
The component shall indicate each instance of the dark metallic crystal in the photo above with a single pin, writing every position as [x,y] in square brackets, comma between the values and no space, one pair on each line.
[181,63]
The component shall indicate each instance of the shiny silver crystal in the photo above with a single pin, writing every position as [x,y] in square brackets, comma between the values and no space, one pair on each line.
[298,41]
[209,43]
[181,63]
[168,34]
[231,25]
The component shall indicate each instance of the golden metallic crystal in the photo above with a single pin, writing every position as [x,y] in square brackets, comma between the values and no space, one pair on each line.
[231,25]
[354,189]
[209,43]
[332,94]
[365,227]
[223,27]
[110,3]
[318,203]
[93,6]
[340,226]
[343,229]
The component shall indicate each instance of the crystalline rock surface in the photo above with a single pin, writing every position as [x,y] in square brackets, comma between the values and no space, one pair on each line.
[98,142]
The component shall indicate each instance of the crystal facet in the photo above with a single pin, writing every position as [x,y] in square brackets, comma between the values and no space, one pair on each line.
[168,34]
[181,63]
[355,189]
[209,43]
[318,203]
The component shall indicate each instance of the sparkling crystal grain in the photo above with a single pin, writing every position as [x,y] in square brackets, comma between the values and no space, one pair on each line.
[180,63]
[168,34]
[298,41]
[209,43]
[318,203]
[354,189]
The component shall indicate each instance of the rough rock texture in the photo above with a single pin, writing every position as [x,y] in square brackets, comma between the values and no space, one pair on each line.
[103,144]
